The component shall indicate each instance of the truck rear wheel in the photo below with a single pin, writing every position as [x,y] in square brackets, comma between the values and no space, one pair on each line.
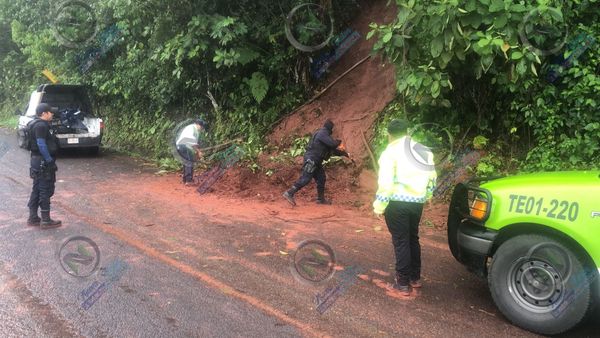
[539,284]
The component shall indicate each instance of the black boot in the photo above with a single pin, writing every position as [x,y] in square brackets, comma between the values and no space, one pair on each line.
[34,219]
[47,222]
[321,198]
[289,195]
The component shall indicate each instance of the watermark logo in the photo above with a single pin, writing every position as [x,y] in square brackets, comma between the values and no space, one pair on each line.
[546,279]
[454,167]
[560,259]
[107,39]
[327,298]
[75,23]
[111,274]
[544,31]
[313,262]
[421,155]
[227,159]
[462,162]
[578,46]
[309,27]
[4,148]
[79,256]
[341,44]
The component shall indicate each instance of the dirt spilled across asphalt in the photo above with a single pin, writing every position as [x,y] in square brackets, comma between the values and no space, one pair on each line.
[244,247]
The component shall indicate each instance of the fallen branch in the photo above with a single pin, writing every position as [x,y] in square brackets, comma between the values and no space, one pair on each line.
[337,79]
[322,91]
[364,138]
[219,146]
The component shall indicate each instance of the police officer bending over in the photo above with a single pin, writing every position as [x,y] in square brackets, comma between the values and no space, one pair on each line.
[319,149]
[43,167]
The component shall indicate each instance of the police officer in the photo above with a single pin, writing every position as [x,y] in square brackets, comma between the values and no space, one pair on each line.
[43,167]
[320,148]
[405,183]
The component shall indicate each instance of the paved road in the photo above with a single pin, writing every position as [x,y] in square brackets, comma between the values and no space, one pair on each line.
[152,299]
[198,269]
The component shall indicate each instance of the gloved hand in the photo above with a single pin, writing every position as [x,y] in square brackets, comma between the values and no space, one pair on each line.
[53,166]
[48,166]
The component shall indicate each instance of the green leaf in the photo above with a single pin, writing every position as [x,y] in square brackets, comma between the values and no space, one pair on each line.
[516,55]
[258,86]
[387,37]
[247,55]
[437,45]
[496,5]
[500,21]
[483,42]
[403,16]
[435,89]
[522,67]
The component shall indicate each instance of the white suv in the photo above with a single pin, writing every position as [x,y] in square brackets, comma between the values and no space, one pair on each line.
[74,125]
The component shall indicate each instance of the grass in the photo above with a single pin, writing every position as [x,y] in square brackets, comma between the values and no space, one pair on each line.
[9,121]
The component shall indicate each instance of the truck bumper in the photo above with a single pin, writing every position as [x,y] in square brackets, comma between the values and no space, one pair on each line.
[78,140]
[470,243]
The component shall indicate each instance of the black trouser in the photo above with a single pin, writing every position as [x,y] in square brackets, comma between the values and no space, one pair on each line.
[402,219]
[318,174]
[188,173]
[43,185]
[188,164]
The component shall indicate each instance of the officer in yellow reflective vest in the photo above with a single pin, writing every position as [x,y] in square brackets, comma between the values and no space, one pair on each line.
[406,181]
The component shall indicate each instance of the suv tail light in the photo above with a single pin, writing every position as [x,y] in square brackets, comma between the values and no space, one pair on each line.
[101,125]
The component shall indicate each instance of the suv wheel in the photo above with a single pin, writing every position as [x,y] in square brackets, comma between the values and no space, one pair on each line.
[539,284]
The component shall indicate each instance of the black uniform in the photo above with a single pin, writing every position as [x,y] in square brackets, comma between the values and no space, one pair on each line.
[320,148]
[44,176]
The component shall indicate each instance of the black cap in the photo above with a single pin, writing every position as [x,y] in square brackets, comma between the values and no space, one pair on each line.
[44,107]
[397,127]
[328,125]
[202,123]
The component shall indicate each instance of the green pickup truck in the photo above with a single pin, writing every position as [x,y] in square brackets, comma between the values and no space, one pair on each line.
[536,237]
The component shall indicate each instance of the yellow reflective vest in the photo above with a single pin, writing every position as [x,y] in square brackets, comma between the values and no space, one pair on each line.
[406,173]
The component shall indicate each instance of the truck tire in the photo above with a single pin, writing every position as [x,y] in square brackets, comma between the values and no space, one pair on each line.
[540,284]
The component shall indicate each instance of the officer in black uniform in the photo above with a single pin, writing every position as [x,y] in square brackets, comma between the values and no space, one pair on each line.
[320,148]
[43,167]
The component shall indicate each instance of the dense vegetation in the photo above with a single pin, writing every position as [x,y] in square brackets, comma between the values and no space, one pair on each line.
[521,74]
[162,61]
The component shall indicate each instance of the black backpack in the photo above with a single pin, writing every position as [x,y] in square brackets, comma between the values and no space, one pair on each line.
[28,140]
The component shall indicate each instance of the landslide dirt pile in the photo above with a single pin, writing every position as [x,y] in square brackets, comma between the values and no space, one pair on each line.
[353,104]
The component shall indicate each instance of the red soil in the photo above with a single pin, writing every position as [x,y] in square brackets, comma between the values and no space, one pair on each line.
[353,104]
